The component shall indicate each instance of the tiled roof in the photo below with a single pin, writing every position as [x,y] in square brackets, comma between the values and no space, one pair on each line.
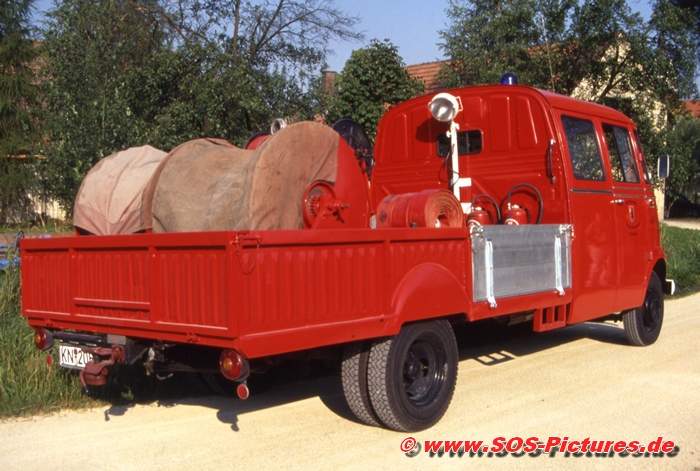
[428,73]
[693,107]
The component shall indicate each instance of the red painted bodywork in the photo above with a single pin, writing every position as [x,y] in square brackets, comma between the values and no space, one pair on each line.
[270,292]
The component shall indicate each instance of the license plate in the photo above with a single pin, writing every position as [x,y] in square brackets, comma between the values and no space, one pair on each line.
[70,356]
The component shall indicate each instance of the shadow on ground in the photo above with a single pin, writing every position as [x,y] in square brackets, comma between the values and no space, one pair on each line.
[490,344]
[484,342]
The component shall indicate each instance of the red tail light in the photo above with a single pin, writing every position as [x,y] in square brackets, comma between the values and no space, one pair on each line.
[42,339]
[231,364]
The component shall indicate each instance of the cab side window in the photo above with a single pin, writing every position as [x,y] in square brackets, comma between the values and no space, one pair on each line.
[586,159]
[624,167]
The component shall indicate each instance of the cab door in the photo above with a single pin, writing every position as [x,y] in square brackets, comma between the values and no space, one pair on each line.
[631,200]
[590,194]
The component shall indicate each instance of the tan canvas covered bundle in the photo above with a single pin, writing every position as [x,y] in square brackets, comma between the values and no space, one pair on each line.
[207,185]
[109,199]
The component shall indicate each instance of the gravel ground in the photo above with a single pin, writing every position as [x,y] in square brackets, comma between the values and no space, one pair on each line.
[683,223]
[580,382]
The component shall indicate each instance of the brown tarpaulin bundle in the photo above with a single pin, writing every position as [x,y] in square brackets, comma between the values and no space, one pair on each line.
[205,184]
[109,199]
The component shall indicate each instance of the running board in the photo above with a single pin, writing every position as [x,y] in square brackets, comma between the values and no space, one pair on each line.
[550,318]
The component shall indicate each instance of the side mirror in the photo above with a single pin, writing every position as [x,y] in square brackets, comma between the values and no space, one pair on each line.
[663,166]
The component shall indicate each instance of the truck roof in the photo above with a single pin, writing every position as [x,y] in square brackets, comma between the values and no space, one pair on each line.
[574,104]
[554,100]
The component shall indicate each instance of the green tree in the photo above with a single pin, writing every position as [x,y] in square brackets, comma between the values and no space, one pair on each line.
[19,99]
[373,80]
[195,91]
[134,72]
[277,31]
[91,48]
[598,50]
[487,38]
[694,7]
[560,44]
[675,43]
[684,147]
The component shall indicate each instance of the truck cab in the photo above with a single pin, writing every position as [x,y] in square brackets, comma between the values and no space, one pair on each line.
[560,160]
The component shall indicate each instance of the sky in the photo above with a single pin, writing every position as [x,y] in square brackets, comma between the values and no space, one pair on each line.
[411,25]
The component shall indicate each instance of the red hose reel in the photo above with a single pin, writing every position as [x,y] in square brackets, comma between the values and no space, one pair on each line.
[428,208]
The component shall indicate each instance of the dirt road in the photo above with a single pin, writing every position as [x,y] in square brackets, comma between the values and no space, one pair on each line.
[684,223]
[583,381]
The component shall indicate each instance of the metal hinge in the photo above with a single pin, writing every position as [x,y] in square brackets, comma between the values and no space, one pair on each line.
[477,238]
[490,289]
[243,239]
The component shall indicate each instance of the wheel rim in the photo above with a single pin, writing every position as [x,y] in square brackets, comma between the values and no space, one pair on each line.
[424,371]
[652,312]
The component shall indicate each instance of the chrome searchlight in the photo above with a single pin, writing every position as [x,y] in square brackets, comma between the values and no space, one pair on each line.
[444,107]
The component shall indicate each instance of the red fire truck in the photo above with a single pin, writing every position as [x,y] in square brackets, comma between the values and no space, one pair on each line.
[496,201]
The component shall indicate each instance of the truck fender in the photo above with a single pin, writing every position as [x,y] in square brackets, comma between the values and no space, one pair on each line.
[427,291]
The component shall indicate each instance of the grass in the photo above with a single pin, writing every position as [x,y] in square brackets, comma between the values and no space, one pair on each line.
[40,226]
[28,386]
[682,247]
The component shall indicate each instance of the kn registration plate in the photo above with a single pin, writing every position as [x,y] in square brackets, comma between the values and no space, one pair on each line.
[71,356]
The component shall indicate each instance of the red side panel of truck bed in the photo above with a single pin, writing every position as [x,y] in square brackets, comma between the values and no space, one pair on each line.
[262,293]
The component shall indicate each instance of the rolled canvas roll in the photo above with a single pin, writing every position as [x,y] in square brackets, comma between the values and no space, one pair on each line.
[428,208]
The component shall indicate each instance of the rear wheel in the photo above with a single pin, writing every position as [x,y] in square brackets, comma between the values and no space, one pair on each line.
[354,374]
[643,324]
[412,376]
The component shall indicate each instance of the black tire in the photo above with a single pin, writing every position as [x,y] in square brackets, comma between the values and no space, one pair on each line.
[412,376]
[354,374]
[218,384]
[643,324]
[257,383]
[197,381]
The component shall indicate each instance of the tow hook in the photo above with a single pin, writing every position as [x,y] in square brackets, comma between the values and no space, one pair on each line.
[95,372]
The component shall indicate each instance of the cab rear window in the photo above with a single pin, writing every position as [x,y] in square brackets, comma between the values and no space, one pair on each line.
[624,167]
[645,168]
[468,142]
[584,152]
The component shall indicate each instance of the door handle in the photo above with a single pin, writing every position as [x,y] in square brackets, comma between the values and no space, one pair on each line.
[619,201]
[552,178]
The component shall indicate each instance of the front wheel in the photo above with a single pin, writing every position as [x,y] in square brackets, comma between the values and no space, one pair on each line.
[643,324]
[412,376]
